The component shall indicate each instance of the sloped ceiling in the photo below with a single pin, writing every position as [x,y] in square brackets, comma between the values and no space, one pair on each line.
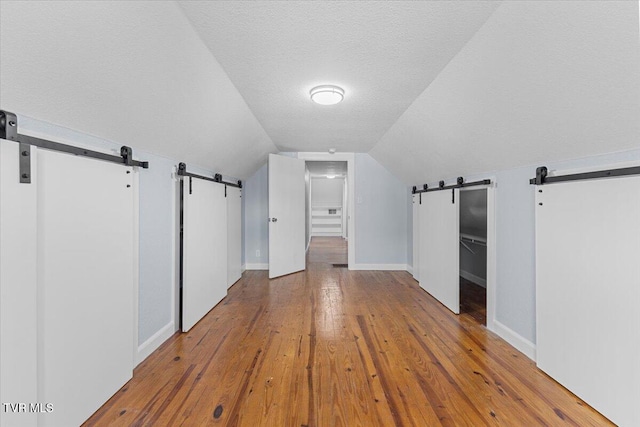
[539,82]
[384,54]
[435,89]
[132,72]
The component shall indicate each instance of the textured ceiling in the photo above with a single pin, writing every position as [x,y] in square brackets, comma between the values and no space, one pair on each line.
[435,89]
[384,54]
[539,82]
[132,72]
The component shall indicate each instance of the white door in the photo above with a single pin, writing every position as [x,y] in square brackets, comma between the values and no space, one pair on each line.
[439,246]
[86,243]
[416,237]
[18,287]
[234,235]
[286,215]
[204,258]
[83,283]
[588,291]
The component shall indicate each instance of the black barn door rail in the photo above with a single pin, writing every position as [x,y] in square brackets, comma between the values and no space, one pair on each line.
[542,172]
[9,131]
[459,184]
[182,171]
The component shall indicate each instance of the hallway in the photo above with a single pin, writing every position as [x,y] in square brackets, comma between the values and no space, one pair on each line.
[326,251]
[333,347]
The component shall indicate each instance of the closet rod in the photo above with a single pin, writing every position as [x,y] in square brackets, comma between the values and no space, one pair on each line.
[472,239]
[9,131]
[459,184]
[542,178]
[182,171]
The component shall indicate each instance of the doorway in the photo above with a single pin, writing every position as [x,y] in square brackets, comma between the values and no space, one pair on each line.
[473,255]
[327,210]
[349,213]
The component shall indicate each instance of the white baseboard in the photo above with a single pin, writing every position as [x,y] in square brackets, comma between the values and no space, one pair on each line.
[384,267]
[152,344]
[410,269]
[257,266]
[518,341]
[243,268]
[473,278]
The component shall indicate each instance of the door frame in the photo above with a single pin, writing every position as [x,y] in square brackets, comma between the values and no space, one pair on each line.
[491,249]
[351,228]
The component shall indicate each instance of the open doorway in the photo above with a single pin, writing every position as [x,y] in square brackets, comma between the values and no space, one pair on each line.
[473,254]
[327,212]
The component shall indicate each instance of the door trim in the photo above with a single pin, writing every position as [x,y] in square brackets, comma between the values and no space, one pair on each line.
[351,227]
[491,252]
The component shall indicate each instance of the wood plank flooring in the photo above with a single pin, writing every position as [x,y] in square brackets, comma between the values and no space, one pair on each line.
[333,347]
[473,301]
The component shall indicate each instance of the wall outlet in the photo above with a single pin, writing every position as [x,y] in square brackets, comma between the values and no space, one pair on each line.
[258,253]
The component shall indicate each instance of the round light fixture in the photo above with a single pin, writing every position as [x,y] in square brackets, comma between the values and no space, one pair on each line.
[327,94]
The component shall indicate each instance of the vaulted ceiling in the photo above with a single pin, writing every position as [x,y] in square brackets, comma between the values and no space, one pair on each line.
[384,54]
[434,89]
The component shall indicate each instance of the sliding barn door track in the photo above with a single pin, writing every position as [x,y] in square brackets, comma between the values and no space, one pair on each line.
[9,131]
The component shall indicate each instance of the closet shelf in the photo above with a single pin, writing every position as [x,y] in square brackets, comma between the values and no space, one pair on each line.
[473,239]
[324,223]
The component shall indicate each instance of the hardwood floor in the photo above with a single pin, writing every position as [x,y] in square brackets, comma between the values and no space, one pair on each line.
[333,347]
[325,251]
[473,301]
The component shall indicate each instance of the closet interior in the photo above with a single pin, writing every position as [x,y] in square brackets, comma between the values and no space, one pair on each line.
[473,254]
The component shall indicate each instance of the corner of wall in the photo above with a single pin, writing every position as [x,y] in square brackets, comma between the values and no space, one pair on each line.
[154,342]
[516,340]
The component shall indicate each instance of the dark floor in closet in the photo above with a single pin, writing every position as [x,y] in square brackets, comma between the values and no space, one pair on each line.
[473,301]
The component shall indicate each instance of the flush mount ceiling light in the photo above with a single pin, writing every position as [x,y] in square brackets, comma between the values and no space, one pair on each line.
[327,94]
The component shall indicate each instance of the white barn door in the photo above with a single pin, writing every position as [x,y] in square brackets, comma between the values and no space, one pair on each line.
[204,257]
[86,287]
[82,243]
[286,215]
[234,235]
[18,287]
[439,263]
[588,291]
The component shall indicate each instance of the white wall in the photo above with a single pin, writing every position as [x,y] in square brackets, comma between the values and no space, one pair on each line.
[381,215]
[133,72]
[326,192]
